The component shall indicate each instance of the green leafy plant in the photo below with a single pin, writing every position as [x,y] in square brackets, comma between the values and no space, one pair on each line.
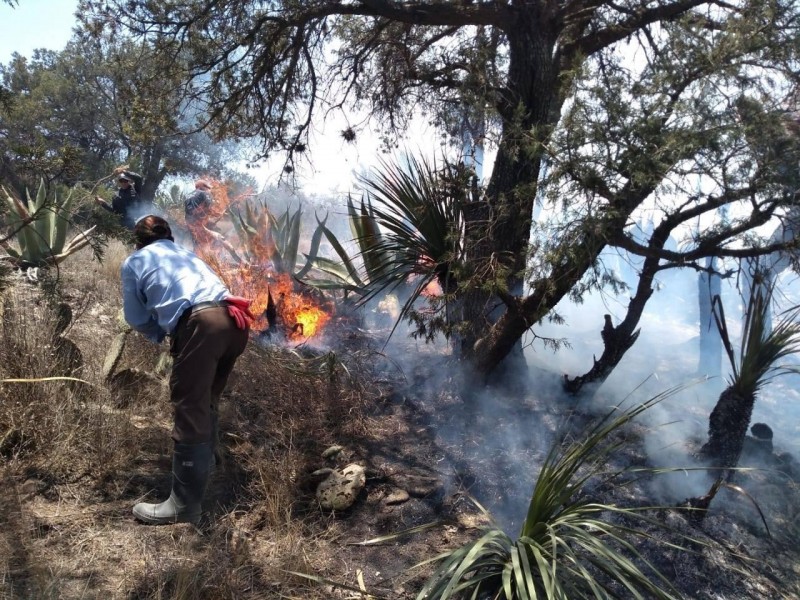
[345,275]
[409,230]
[756,364]
[41,226]
[174,199]
[570,546]
[420,211]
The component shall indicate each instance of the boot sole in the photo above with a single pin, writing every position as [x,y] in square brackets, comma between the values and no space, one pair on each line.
[148,520]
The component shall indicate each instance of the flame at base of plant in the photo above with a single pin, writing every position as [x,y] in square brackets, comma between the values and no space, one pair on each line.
[303,316]
[277,303]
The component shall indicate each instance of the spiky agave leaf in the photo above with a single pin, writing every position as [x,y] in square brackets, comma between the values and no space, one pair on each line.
[291,241]
[313,249]
[568,547]
[367,233]
[61,221]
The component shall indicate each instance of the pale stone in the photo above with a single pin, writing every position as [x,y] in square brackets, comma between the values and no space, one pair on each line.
[340,490]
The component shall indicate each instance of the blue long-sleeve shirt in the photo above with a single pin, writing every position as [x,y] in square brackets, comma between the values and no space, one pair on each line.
[162,280]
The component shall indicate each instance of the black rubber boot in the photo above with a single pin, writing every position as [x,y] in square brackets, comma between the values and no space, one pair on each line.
[190,469]
[216,456]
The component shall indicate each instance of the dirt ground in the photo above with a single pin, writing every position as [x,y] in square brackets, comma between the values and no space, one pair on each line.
[430,451]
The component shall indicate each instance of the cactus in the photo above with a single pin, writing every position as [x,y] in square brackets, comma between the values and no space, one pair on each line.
[114,355]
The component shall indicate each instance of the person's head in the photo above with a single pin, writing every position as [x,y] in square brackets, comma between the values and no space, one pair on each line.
[150,229]
[124,181]
[203,185]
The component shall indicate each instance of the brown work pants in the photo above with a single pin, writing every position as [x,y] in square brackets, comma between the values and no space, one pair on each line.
[204,349]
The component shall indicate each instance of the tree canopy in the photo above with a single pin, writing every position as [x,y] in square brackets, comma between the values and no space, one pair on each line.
[633,105]
[74,115]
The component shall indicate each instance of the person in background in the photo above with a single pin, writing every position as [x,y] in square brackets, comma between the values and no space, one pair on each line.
[202,229]
[169,291]
[128,201]
[197,210]
[197,206]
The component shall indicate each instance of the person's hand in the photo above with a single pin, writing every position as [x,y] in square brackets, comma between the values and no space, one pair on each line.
[239,309]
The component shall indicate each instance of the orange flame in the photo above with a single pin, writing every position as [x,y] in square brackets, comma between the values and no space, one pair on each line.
[253,276]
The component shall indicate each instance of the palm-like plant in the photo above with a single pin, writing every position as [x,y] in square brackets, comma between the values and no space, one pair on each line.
[570,547]
[756,365]
[420,239]
[409,230]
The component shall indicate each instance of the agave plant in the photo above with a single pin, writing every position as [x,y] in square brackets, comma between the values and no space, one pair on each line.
[268,236]
[570,546]
[756,365]
[41,229]
[165,201]
[345,275]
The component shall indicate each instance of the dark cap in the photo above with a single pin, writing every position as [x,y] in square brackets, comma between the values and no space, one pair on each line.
[124,177]
[149,229]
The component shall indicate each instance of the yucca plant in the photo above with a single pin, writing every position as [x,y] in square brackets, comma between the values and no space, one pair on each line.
[756,365]
[409,232]
[570,546]
[420,212]
[41,229]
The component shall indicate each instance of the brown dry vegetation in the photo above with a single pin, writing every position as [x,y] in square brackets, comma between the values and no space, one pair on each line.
[77,455]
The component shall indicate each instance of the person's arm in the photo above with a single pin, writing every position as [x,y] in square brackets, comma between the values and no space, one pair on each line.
[134,309]
[137,182]
[103,203]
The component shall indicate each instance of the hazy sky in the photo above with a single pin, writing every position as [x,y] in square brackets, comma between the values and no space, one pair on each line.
[35,24]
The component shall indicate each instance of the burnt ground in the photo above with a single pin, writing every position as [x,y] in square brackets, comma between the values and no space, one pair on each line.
[431,450]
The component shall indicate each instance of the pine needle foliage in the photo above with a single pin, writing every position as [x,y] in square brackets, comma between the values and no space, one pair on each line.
[570,547]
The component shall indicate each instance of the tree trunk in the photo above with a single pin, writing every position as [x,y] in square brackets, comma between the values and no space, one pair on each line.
[727,427]
[616,342]
[498,232]
[152,172]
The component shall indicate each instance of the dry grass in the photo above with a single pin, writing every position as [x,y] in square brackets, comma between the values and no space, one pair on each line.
[51,424]
[113,256]
[76,460]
